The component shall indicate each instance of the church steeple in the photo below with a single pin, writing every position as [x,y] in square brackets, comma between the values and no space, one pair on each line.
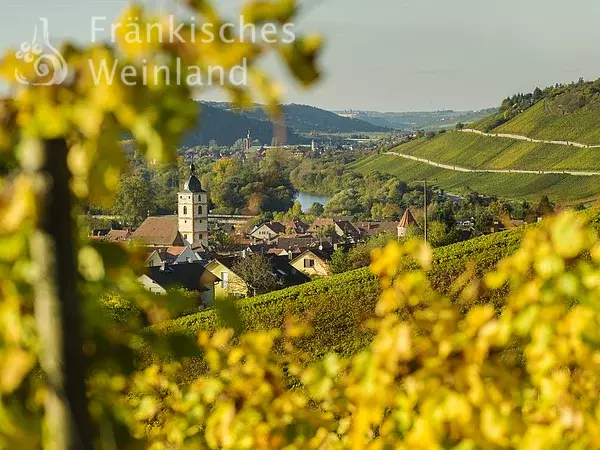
[193,211]
[193,183]
[248,141]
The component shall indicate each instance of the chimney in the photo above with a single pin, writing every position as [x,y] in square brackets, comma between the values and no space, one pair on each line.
[163,266]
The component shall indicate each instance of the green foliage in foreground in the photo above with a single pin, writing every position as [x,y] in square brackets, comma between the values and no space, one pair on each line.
[337,307]
[439,373]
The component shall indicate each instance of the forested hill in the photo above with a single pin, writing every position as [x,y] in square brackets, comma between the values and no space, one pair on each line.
[226,127]
[306,119]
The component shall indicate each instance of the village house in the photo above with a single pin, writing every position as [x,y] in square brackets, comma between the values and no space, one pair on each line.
[267,231]
[347,230]
[372,228]
[341,227]
[189,276]
[232,284]
[118,235]
[296,227]
[160,231]
[172,255]
[313,262]
[307,241]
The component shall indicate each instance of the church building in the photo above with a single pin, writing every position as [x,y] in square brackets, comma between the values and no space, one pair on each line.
[188,228]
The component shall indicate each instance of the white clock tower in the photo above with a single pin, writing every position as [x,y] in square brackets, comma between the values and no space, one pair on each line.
[193,212]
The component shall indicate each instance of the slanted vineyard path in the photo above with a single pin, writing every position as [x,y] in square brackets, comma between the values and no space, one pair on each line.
[577,173]
[528,139]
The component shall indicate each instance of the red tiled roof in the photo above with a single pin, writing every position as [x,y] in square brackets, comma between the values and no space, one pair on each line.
[159,231]
[407,219]
[118,235]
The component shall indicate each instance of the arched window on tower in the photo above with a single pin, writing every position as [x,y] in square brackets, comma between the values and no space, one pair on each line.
[200,210]
[185,210]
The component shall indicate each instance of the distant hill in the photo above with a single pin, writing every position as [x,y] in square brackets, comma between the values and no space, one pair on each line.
[426,120]
[226,127]
[307,119]
[225,124]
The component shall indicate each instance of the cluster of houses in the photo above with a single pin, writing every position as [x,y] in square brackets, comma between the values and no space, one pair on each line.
[178,254]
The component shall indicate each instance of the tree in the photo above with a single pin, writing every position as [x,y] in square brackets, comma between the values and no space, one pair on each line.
[295,212]
[460,126]
[544,207]
[135,199]
[360,256]
[389,211]
[256,271]
[437,234]
[483,220]
[316,210]
[339,261]
[221,240]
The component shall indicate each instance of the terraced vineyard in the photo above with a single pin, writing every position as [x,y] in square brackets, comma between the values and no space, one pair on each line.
[473,151]
[541,123]
[566,112]
[482,152]
[560,188]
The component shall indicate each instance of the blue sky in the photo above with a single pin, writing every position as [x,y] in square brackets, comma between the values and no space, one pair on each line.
[398,55]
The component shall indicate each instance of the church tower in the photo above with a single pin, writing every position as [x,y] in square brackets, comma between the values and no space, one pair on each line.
[192,212]
[248,142]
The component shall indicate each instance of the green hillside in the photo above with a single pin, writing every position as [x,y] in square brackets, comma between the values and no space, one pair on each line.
[560,188]
[563,112]
[226,127]
[482,152]
[540,122]
[338,306]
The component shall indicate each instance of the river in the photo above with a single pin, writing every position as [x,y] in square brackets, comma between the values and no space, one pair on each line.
[307,200]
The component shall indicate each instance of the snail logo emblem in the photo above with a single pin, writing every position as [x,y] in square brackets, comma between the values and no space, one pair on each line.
[49,66]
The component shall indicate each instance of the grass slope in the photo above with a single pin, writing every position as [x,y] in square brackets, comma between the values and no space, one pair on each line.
[567,112]
[560,188]
[481,152]
[540,122]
